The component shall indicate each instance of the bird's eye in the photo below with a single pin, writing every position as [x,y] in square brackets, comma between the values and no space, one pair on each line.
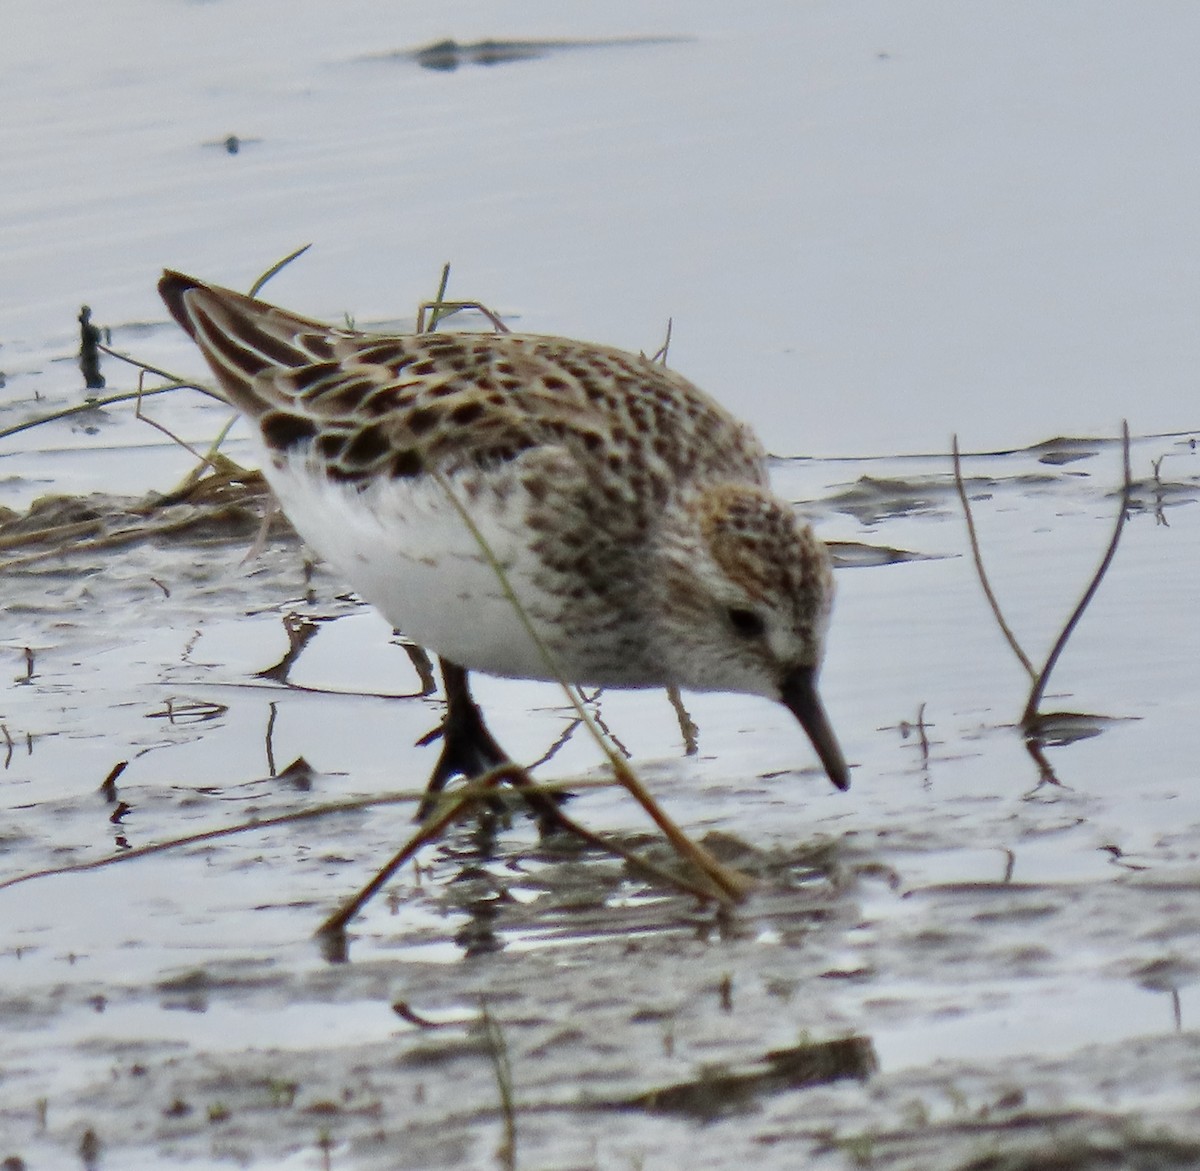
[746,623]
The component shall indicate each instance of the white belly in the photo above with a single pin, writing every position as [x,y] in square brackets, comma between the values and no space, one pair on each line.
[403,546]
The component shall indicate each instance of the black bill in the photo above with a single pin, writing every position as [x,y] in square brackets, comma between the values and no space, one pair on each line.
[799,695]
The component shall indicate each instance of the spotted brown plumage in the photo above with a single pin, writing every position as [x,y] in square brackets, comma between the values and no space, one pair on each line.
[630,512]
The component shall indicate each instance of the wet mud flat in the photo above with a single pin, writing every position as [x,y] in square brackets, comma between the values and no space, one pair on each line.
[980,957]
[961,963]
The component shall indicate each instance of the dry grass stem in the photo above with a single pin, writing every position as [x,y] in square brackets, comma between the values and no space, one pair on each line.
[439,308]
[143,418]
[125,396]
[328,809]
[448,809]
[452,806]
[660,355]
[445,309]
[141,532]
[436,305]
[276,268]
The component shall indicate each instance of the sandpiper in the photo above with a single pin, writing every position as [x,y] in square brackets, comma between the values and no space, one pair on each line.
[630,513]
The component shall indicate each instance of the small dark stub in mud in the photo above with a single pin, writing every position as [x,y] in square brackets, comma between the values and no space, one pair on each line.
[89,350]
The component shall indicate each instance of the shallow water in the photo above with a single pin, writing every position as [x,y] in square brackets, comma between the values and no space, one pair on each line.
[1008,949]
[940,222]
[915,217]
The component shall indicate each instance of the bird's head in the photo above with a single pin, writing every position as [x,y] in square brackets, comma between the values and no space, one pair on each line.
[749,589]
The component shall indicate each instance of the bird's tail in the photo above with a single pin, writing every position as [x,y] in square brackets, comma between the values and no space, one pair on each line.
[242,338]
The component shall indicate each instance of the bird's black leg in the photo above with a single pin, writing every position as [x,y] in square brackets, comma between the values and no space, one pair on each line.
[468,748]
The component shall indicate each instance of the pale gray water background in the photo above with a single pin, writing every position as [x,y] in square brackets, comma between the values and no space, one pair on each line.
[873,226]
[914,215]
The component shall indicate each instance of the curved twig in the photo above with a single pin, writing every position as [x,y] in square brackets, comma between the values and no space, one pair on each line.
[176,382]
[274,270]
[1005,629]
[1030,716]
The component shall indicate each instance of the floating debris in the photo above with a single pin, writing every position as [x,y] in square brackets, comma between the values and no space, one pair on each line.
[446,56]
[231,144]
[856,554]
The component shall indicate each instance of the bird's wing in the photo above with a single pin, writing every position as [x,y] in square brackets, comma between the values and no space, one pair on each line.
[403,404]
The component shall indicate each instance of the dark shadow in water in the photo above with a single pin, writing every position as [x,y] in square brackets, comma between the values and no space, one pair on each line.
[717,1093]
[1057,730]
